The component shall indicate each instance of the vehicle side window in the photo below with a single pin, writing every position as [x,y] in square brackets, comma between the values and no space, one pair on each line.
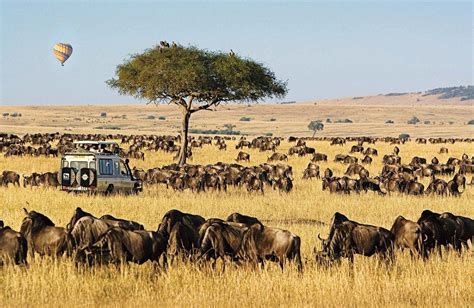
[78,165]
[106,167]
[116,168]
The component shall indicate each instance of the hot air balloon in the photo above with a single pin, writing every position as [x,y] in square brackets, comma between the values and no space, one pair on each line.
[62,52]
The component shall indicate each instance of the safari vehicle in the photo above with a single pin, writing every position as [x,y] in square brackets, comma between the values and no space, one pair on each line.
[96,167]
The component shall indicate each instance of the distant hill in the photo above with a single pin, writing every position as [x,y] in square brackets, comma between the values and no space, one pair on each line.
[464,92]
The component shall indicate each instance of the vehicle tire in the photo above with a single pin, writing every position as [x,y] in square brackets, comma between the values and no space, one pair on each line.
[110,190]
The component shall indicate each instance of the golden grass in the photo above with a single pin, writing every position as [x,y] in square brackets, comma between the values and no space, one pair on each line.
[446,282]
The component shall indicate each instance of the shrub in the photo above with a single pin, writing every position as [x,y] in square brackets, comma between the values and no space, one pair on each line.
[161,118]
[273,120]
[230,126]
[343,121]
[471,122]
[389,122]
[124,116]
[103,114]
[413,121]
[6,114]
[269,134]
[151,117]
[245,119]
[404,136]
[328,120]
[426,122]
[358,97]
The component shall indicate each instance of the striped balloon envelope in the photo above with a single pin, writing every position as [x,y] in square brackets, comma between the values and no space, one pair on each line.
[62,52]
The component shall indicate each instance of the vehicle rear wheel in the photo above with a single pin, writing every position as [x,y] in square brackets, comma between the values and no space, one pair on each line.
[110,190]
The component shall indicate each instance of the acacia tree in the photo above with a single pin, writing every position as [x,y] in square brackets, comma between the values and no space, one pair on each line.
[315,126]
[194,79]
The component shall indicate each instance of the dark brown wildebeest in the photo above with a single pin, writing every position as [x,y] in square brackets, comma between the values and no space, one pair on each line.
[221,240]
[371,151]
[10,177]
[439,231]
[118,245]
[467,230]
[260,243]
[347,238]
[396,150]
[357,148]
[182,241]
[243,156]
[122,223]
[412,187]
[277,157]
[443,150]
[284,184]
[367,160]
[43,236]
[243,219]
[466,168]
[407,234]
[85,229]
[319,157]
[174,216]
[437,186]
[312,171]
[328,173]
[13,246]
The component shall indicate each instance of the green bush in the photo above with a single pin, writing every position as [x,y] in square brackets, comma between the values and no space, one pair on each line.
[162,118]
[103,114]
[269,134]
[273,120]
[413,121]
[245,119]
[389,122]
[471,122]
[151,117]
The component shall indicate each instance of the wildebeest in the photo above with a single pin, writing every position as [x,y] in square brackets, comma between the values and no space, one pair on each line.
[174,216]
[439,230]
[221,240]
[10,177]
[182,241]
[118,245]
[277,156]
[408,234]
[243,156]
[260,243]
[85,229]
[243,219]
[13,246]
[347,238]
[43,236]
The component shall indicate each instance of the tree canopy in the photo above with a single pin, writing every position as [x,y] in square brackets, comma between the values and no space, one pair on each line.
[177,74]
[194,79]
[314,126]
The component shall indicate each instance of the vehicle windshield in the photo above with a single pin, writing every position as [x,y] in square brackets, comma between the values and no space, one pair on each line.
[78,165]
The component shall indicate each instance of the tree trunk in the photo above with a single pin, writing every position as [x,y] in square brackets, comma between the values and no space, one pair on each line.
[183,153]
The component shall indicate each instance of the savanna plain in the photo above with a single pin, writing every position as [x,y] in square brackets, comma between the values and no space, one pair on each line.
[306,211]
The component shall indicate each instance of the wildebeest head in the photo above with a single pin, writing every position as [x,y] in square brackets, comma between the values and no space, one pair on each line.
[33,222]
[78,214]
[336,220]
[1,224]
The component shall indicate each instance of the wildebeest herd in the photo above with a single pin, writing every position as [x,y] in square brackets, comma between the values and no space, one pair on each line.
[239,239]
[395,176]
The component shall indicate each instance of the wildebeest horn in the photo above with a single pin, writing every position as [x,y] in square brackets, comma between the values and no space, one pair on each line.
[26,211]
[319,237]
[425,237]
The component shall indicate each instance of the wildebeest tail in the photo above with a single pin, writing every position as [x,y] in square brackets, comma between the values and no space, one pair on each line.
[295,249]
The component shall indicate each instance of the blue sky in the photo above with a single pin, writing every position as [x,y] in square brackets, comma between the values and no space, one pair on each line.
[323,49]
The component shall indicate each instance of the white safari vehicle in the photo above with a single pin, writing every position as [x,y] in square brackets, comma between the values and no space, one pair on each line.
[95,166]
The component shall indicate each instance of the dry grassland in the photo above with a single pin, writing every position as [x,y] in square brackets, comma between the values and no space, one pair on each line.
[447,282]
